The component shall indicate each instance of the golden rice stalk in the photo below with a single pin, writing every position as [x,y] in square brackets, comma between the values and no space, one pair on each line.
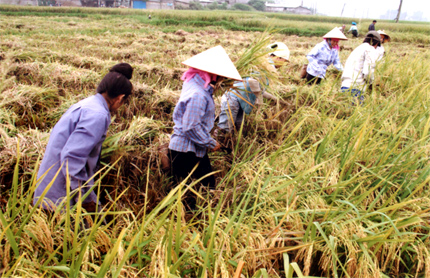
[427,263]
[158,261]
[308,260]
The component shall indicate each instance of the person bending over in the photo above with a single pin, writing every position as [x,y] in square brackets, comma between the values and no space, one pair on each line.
[360,66]
[75,143]
[323,55]
[194,116]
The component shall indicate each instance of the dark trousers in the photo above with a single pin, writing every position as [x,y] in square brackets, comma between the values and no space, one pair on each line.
[183,163]
[312,79]
[355,33]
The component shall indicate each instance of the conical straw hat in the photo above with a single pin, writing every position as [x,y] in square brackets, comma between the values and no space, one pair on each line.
[335,34]
[280,50]
[214,60]
[382,32]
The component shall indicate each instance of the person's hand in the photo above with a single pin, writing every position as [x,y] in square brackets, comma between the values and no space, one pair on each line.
[217,147]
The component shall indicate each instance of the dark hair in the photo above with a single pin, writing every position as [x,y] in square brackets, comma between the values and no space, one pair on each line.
[375,21]
[373,38]
[117,81]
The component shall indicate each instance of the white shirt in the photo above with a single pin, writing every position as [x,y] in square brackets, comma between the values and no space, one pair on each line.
[380,51]
[359,67]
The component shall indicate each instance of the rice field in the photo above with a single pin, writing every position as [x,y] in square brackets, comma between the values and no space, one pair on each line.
[314,186]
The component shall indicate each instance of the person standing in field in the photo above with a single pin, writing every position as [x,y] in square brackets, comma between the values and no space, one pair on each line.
[323,55]
[194,116]
[246,94]
[353,30]
[360,66]
[75,143]
[372,26]
[380,49]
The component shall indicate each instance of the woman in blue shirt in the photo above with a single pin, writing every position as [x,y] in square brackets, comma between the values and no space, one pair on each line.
[238,100]
[194,116]
[75,143]
[323,55]
[245,95]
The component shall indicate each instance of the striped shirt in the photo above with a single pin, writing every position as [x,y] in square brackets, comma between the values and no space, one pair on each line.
[194,117]
[320,57]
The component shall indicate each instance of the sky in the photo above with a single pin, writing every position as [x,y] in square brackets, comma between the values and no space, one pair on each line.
[368,8]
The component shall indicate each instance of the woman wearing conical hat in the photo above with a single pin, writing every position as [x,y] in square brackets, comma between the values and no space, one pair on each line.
[194,115]
[237,101]
[245,95]
[324,54]
[380,49]
[279,54]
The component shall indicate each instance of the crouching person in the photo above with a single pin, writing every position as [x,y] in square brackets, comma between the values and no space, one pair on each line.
[279,54]
[241,99]
[323,55]
[194,116]
[360,67]
[76,140]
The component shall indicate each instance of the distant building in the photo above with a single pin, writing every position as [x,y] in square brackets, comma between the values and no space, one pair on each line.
[107,3]
[283,8]
[154,4]
[71,3]
[232,2]
[20,2]
[160,5]
[204,3]
[287,6]
[185,4]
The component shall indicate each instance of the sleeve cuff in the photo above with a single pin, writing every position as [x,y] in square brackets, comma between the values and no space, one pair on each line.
[212,144]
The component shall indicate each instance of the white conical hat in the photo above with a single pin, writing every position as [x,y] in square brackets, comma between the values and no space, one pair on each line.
[335,34]
[280,49]
[382,32]
[214,60]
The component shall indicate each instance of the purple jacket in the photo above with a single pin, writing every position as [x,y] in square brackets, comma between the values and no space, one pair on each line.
[75,142]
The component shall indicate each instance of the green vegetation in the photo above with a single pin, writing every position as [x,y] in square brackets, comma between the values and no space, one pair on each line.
[242,7]
[195,5]
[314,187]
[287,24]
[258,5]
[216,6]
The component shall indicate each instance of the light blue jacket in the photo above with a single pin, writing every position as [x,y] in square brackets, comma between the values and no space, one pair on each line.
[75,143]
[320,57]
[244,92]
